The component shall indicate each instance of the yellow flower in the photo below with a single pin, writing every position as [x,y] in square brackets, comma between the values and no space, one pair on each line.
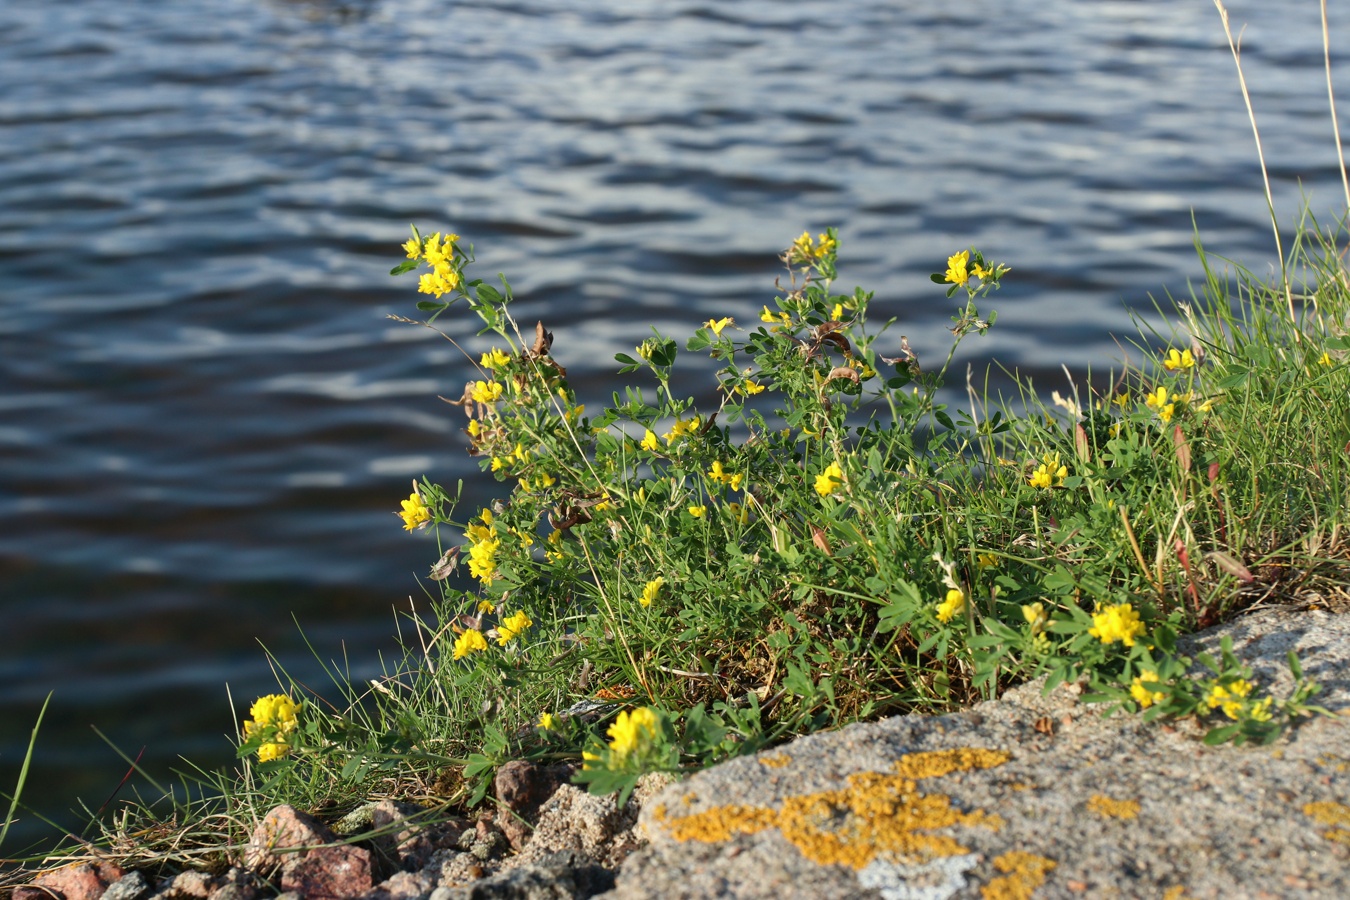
[547,480]
[414,248]
[442,281]
[829,480]
[415,513]
[1116,623]
[633,733]
[780,318]
[1049,470]
[486,607]
[955,602]
[483,560]
[1260,710]
[512,626]
[494,359]
[738,513]
[278,713]
[649,442]
[1036,616]
[1324,359]
[986,560]
[751,387]
[718,474]
[471,641]
[681,428]
[651,590]
[803,249]
[827,245]
[1157,399]
[956,267]
[837,314]
[718,324]
[981,272]
[1178,360]
[477,533]
[499,463]
[697,511]
[485,391]
[1143,695]
[547,722]
[475,428]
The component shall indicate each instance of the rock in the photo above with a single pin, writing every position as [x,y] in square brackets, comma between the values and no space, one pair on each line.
[559,876]
[236,884]
[1027,794]
[404,886]
[594,827]
[186,886]
[522,787]
[78,881]
[280,835]
[309,864]
[131,886]
[328,873]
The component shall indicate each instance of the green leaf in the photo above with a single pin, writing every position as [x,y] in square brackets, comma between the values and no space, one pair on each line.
[489,294]
[406,266]
[430,305]
[1216,736]
[944,419]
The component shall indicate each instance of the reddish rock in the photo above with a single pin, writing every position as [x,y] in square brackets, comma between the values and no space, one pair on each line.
[79,881]
[191,886]
[523,787]
[284,828]
[328,873]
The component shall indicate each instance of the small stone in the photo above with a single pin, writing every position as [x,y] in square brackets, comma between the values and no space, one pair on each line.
[190,886]
[328,873]
[468,838]
[283,828]
[80,881]
[131,886]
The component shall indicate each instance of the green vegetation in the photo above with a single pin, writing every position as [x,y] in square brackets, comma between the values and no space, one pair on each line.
[662,587]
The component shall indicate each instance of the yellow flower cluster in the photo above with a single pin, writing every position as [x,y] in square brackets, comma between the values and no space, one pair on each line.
[1232,699]
[957,263]
[1117,623]
[278,713]
[483,552]
[512,626]
[1144,695]
[681,428]
[494,359]
[485,391]
[415,513]
[805,250]
[650,592]
[633,733]
[948,608]
[1178,360]
[471,641]
[649,442]
[439,253]
[828,482]
[720,475]
[1159,401]
[1050,472]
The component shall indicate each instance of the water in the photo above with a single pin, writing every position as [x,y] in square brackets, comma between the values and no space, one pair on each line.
[206,420]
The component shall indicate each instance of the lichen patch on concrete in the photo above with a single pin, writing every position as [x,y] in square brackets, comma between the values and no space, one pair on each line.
[1023,873]
[876,815]
[1111,808]
[776,761]
[1337,815]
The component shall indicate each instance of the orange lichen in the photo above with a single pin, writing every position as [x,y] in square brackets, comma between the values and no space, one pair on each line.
[1337,815]
[1113,809]
[876,814]
[1025,873]
[1176,892]
[777,761]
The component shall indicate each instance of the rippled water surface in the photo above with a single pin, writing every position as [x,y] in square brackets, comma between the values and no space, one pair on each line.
[206,419]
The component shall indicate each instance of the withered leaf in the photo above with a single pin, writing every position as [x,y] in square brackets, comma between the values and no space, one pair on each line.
[543,340]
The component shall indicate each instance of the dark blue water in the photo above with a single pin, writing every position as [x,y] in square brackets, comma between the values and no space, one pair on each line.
[206,420]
